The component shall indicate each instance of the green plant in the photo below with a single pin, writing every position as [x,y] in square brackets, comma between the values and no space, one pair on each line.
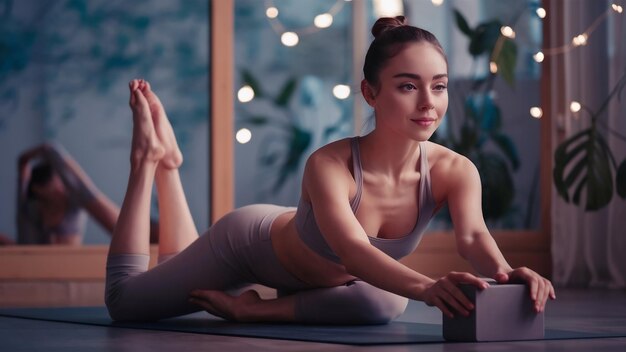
[481,122]
[584,161]
[293,141]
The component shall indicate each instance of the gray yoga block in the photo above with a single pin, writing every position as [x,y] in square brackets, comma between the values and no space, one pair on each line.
[501,312]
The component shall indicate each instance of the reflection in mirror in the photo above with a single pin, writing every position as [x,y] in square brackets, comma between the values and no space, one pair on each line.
[294,92]
[65,80]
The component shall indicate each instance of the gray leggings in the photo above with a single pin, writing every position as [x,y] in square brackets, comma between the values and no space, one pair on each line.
[236,252]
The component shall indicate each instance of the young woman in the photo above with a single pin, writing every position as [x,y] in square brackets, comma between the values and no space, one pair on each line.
[365,203]
[54,197]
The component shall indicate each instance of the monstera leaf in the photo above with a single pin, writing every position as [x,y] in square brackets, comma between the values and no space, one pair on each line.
[583,164]
[497,185]
[621,180]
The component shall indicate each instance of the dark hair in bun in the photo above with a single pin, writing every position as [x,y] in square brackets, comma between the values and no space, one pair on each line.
[387,23]
[391,34]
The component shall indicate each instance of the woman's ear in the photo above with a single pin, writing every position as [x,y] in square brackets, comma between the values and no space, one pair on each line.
[368,93]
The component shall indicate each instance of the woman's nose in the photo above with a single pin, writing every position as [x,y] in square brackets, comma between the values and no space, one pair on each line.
[425,102]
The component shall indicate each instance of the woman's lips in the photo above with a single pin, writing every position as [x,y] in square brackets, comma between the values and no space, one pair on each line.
[424,122]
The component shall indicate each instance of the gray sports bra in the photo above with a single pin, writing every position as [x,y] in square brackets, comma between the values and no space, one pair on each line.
[398,247]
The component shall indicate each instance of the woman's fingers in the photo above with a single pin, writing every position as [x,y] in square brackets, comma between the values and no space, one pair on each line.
[548,291]
[540,288]
[448,297]
[443,307]
[453,295]
[467,278]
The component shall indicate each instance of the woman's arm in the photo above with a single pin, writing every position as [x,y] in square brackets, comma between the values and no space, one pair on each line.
[81,187]
[474,241]
[327,182]
[27,231]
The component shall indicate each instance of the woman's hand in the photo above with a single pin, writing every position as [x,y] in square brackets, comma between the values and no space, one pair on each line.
[540,287]
[448,297]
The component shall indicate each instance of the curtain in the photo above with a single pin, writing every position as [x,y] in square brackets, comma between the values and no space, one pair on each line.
[589,247]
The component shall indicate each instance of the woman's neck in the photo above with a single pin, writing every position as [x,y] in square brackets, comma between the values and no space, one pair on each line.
[392,156]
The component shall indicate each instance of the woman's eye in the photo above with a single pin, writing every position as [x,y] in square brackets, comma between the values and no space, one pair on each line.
[408,87]
[440,87]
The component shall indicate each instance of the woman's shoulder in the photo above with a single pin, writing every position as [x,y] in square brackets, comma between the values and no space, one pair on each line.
[333,157]
[336,151]
[327,165]
[443,157]
[448,166]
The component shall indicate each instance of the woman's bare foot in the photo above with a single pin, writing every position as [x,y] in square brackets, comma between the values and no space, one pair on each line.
[238,308]
[145,146]
[173,157]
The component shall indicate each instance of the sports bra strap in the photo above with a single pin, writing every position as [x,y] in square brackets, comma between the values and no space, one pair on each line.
[358,174]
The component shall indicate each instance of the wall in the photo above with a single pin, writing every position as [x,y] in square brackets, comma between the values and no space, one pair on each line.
[64,74]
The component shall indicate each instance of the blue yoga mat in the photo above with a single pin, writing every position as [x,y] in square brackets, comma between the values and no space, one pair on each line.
[202,323]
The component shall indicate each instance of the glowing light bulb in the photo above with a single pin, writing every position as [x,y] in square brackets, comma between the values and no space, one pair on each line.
[507,32]
[341,91]
[388,8]
[538,56]
[323,21]
[437,2]
[289,39]
[271,12]
[580,39]
[617,8]
[536,112]
[243,136]
[541,12]
[493,67]
[245,94]
[575,106]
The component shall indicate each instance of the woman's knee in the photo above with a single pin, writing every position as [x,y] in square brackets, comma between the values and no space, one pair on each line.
[119,273]
[354,303]
[373,305]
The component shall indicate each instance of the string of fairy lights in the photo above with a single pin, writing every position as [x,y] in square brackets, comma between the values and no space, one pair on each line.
[577,41]
[291,38]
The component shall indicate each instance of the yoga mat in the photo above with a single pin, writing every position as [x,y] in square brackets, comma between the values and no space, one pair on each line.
[393,333]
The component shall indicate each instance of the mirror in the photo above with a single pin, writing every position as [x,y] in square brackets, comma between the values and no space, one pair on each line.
[64,78]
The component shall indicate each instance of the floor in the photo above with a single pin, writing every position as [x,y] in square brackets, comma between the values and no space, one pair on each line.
[588,310]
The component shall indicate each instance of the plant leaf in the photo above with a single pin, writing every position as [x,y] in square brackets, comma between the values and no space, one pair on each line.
[285,94]
[248,78]
[497,185]
[594,165]
[257,120]
[299,141]
[461,23]
[490,118]
[562,158]
[620,179]
[576,171]
[468,139]
[599,177]
[507,146]
[484,37]
[506,61]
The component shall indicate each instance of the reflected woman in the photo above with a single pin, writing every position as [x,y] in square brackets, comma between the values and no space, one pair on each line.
[54,197]
[365,203]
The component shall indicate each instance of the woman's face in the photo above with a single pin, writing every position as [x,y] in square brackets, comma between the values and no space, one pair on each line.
[52,190]
[412,95]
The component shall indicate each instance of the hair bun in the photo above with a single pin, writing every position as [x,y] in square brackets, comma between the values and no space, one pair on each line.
[384,24]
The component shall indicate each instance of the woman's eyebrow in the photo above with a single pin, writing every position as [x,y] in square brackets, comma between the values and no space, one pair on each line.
[418,77]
